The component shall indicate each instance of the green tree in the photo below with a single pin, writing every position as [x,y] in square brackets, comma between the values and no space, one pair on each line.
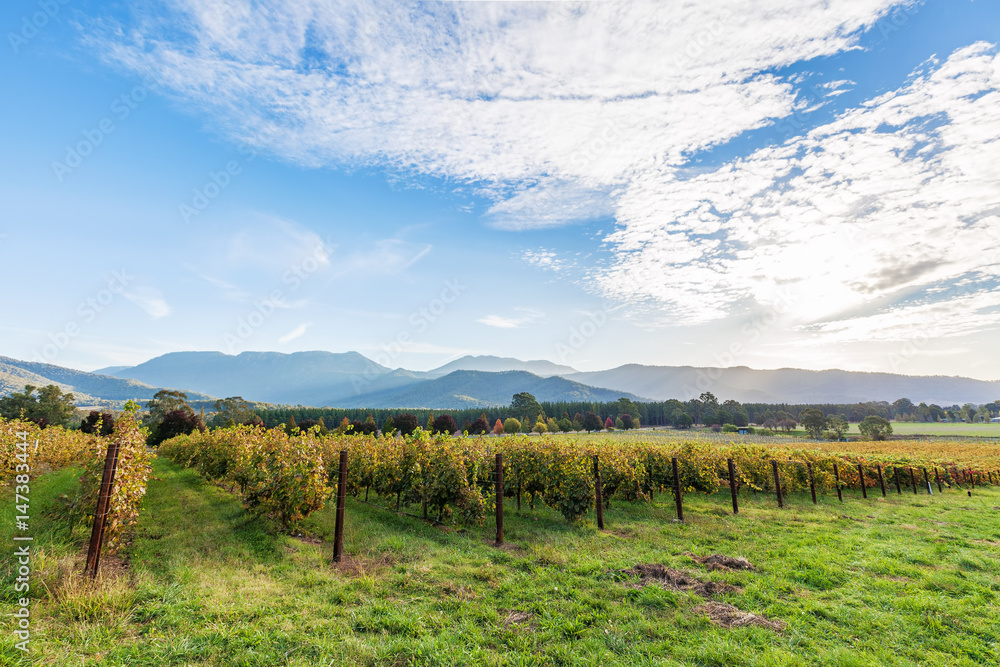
[813,421]
[511,425]
[164,402]
[737,412]
[839,426]
[565,425]
[525,404]
[626,405]
[233,411]
[681,419]
[388,427]
[50,407]
[875,427]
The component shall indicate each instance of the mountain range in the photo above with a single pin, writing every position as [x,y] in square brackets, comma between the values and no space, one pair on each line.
[350,379]
[87,388]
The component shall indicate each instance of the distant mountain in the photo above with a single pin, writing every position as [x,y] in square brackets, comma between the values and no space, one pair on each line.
[350,379]
[789,385]
[110,370]
[498,364]
[474,389]
[87,388]
[307,378]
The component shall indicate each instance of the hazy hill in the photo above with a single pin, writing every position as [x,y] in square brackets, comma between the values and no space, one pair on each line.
[88,388]
[350,379]
[789,385]
[307,378]
[472,389]
[497,364]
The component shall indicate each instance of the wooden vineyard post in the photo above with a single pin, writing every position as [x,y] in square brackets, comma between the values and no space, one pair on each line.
[677,491]
[103,507]
[861,476]
[777,483]
[499,481]
[812,482]
[599,494]
[649,476]
[895,474]
[913,481]
[732,485]
[927,482]
[937,478]
[881,480]
[338,531]
[519,490]
[836,477]
[972,479]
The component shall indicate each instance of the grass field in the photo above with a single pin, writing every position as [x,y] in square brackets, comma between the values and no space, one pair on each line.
[965,430]
[910,580]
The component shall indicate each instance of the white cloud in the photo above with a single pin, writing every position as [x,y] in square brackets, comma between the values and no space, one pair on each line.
[551,107]
[149,299]
[889,200]
[500,322]
[544,259]
[560,112]
[297,332]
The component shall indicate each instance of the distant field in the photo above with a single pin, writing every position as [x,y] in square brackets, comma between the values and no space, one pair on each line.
[984,451]
[917,428]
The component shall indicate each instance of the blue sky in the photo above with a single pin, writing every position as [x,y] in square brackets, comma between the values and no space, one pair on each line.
[808,184]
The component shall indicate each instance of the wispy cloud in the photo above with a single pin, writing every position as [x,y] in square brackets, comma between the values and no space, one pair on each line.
[891,198]
[560,112]
[150,299]
[297,332]
[550,107]
[527,316]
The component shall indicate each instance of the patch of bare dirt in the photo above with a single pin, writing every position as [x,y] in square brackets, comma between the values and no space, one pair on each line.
[992,543]
[360,566]
[460,592]
[721,562]
[652,574]
[519,619]
[728,616]
[508,547]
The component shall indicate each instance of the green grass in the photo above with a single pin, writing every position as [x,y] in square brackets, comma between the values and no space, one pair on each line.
[910,580]
[946,429]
